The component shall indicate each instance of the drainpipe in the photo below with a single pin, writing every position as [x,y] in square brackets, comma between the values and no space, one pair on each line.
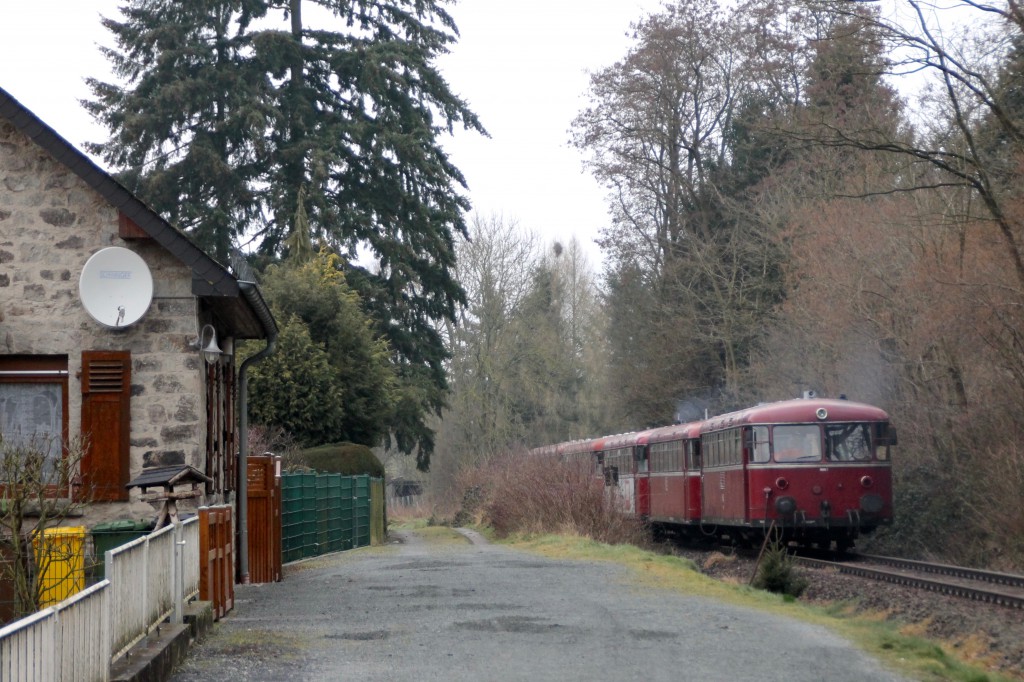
[251,292]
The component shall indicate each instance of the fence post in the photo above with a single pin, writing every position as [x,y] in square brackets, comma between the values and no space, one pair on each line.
[178,578]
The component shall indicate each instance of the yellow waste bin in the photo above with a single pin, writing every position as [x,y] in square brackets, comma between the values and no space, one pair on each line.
[60,562]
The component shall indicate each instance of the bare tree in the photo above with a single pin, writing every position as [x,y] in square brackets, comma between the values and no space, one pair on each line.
[38,491]
[902,227]
[525,357]
[972,110]
[494,267]
[669,133]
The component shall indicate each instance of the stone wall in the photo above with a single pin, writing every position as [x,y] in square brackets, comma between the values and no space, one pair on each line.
[50,223]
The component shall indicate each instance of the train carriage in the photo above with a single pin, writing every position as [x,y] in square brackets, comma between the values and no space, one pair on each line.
[674,479]
[818,470]
[624,472]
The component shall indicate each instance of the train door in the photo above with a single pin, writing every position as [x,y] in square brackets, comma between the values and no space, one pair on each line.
[723,478]
[643,481]
[692,466]
[627,479]
[619,478]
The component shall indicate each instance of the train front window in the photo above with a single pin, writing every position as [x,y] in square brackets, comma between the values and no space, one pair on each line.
[796,443]
[847,442]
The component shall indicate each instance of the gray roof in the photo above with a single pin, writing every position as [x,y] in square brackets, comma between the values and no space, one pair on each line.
[179,474]
[242,316]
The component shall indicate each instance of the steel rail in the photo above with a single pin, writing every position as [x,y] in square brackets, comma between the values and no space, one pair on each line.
[1008,579]
[900,576]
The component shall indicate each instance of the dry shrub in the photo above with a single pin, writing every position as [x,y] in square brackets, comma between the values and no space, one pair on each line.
[516,493]
[993,510]
[399,514]
[716,559]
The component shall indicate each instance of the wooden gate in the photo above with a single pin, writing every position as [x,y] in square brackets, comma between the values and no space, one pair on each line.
[216,559]
[264,520]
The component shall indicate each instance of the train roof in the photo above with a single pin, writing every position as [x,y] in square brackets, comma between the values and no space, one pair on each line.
[798,411]
[576,446]
[620,440]
[673,432]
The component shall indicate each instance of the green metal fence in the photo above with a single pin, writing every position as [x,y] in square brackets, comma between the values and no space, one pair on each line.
[324,513]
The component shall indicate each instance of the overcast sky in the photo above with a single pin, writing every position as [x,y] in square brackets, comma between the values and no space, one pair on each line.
[522,64]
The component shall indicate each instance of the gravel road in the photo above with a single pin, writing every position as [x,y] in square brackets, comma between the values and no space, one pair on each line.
[425,611]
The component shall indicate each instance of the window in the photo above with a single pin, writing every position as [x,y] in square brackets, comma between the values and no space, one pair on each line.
[34,409]
[693,455]
[760,451]
[884,439]
[847,442]
[797,443]
[667,456]
[721,448]
[622,460]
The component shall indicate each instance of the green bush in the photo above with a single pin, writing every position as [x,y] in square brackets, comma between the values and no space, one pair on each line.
[349,459]
[777,573]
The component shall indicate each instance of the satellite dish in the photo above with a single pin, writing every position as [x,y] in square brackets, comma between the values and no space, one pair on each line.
[116,287]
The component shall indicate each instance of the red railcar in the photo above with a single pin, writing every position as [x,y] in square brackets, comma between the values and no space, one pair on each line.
[674,486]
[817,470]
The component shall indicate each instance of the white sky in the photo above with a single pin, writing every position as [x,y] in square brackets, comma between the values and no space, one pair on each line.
[522,64]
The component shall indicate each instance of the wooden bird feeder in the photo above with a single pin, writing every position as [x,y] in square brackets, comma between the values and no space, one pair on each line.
[166,479]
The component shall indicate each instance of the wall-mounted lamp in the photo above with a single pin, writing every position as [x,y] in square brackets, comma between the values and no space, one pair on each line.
[210,350]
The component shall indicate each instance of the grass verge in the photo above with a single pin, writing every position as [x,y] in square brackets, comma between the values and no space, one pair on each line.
[905,653]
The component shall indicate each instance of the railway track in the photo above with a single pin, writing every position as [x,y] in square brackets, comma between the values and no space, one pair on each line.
[1002,589]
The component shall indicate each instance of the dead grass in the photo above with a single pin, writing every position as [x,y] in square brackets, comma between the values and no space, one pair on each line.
[717,558]
[439,535]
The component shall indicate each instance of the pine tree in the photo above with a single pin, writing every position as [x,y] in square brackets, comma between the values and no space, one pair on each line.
[229,118]
[186,135]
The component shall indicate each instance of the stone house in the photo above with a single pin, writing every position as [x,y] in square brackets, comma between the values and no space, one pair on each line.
[137,390]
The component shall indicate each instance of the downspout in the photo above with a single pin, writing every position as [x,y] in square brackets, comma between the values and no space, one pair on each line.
[252,294]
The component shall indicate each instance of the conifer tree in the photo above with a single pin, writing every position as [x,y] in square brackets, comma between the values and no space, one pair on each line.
[186,131]
[231,112]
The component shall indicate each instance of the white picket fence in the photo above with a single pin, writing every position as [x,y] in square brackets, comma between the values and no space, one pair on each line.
[148,580]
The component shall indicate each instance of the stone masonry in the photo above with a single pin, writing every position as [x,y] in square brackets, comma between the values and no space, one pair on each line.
[51,222]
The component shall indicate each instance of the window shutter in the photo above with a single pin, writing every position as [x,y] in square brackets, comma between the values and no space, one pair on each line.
[106,394]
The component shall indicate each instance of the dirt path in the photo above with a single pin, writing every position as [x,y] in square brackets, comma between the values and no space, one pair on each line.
[420,610]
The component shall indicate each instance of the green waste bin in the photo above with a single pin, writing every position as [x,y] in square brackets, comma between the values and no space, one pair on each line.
[107,536]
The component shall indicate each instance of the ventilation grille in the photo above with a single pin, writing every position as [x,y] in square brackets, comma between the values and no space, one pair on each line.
[106,376]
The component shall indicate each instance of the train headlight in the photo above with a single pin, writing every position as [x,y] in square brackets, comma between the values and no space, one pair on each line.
[821,413]
[867,481]
[871,504]
[785,505]
[781,483]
